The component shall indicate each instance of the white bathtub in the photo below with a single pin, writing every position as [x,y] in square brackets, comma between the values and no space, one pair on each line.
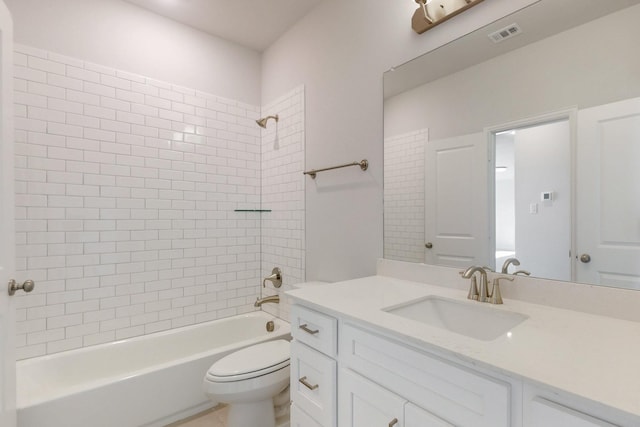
[145,381]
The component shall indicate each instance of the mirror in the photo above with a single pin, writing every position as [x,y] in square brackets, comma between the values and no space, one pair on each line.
[527,148]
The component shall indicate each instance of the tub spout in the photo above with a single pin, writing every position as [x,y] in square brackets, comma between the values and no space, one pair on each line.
[272,299]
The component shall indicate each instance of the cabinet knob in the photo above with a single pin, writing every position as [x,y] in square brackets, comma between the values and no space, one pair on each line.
[428,245]
[26,286]
[393,422]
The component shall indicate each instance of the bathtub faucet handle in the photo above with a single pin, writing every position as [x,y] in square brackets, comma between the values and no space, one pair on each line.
[275,278]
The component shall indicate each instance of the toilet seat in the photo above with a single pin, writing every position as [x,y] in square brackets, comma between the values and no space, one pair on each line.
[251,362]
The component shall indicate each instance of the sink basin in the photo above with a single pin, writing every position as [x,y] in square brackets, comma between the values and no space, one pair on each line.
[472,319]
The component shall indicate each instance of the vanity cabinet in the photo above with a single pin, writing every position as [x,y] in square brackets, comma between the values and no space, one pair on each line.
[364,403]
[544,413]
[445,390]
[344,374]
[544,408]
[382,382]
[313,368]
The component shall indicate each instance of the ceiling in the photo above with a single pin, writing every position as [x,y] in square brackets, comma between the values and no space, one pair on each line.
[255,24]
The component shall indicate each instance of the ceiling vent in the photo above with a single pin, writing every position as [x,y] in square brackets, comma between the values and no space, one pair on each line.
[505,33]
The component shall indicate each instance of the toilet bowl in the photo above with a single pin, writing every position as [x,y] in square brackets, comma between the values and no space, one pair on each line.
[248,380]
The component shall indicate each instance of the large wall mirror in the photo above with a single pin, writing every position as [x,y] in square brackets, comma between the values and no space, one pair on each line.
[517,147]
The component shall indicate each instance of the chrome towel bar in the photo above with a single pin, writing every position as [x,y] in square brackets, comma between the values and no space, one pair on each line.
[364,165]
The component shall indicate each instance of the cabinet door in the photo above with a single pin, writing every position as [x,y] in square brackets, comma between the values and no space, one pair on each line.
[544,413]
[299,418]
[418,417]
[366,404]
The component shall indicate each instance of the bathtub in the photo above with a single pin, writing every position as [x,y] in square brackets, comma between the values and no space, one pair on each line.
[148,381]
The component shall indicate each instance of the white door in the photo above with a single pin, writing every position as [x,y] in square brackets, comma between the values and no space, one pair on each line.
[456,201]
[7,247]
[608,195]
[366,404]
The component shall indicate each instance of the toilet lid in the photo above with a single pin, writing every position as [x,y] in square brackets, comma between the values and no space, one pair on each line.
[253,361]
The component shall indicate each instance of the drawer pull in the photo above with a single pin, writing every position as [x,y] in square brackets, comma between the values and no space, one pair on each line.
[305,383]
[307,330]
[393,422]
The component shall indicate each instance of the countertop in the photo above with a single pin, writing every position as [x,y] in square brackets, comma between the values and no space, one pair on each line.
[590,356]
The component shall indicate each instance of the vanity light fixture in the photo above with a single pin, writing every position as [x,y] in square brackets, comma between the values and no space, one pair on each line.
[434,12]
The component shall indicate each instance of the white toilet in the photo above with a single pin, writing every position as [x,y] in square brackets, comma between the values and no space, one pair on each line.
[248,380]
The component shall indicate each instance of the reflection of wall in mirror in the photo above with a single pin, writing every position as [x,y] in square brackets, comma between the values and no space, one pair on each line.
[589,65]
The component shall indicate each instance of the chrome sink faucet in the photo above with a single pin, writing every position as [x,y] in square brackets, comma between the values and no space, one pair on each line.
[482,295]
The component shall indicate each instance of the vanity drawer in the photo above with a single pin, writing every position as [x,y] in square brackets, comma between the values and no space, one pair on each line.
[315,329]
[546,413]
[314,383]
[452,393]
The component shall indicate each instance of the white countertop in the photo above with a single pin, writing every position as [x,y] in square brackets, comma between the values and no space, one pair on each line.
[590,356]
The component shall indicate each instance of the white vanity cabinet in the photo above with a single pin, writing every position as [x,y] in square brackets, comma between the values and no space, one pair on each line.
[350,374]
[545,408]
[364,403]
[382,382]
[313,368]
[444,390]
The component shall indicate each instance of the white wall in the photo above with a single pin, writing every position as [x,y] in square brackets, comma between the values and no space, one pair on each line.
[120,35]
[339,52]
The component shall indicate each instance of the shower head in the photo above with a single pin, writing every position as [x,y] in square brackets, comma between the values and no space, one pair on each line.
[263,122]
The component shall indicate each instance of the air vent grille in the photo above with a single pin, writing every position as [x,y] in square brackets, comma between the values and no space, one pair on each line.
[505,33]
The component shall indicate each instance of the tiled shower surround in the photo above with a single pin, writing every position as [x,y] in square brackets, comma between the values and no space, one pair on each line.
[404,221]
[283,192]
[126,191]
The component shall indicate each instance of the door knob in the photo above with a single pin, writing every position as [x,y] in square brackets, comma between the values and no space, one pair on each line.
[585,258]
[26,286]
[428,245]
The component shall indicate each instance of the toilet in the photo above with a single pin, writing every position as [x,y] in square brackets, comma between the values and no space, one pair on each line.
[248,380]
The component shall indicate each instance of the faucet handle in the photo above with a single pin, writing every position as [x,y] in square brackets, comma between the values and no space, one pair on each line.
[473,289]
[523,272]
[496,296]
[275,278]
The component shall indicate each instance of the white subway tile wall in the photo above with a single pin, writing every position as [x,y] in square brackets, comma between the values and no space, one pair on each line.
[283,183]
[404,228]
[125,195]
